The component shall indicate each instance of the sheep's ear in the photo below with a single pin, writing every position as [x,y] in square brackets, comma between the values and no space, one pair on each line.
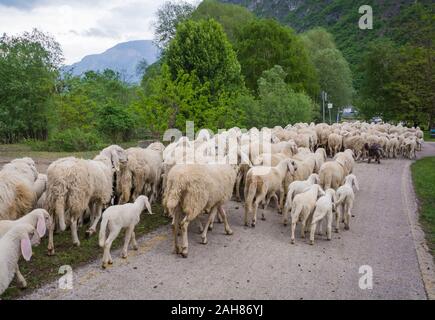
[114,159]
[290,167]
[40,226]
[26,248]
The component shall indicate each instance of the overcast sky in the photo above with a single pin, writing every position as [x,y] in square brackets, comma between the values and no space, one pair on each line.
[82,27]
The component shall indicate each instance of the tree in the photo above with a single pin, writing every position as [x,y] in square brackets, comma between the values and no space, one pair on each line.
[398,83]
[280,104]
[263,44]
[335,76]
[169,15]
[202,48]
[232,17]
[29,66]
[142,67]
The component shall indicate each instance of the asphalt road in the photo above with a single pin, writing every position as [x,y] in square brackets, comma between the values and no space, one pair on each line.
[261,263]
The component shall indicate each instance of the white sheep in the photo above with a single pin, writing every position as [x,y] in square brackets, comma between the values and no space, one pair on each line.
[40,185]
[10,244]
[303,207]
[16,188]
[119,217]
[345,198]
[295,188]
[263,183]
[76,184]
[324,208]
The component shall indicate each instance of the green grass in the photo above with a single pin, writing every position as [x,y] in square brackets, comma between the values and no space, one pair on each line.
[43,268]
[423,174]
[25,150]
[427,136]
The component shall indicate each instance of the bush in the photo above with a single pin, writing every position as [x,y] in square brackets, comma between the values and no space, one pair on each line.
[72,140]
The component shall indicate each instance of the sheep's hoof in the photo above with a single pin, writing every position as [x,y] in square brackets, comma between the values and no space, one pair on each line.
[184,254]
[210,228]
[50,252]
[89,233]
[253,224]
[246,224]
[204,241]
[312,242]
[104,265]
[124,256]
[292,241]
[346,227]
[135,248]
[110,261]
[76,244]
[336,231]
[329,239]
[229,232]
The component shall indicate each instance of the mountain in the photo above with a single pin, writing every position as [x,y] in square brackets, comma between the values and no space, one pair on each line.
[399,20]
[123,58]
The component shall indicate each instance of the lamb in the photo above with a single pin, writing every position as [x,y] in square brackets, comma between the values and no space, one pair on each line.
[295,188]
[17,196]
[38,218]
[10,245]
[303,206]
[262,183]
[345,197]
[324,207]
[194,188]
[118,217]
[76,184]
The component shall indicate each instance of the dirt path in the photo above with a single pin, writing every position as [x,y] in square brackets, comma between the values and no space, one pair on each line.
[260,263]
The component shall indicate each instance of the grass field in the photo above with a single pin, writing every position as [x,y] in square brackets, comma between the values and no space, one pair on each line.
[423,173]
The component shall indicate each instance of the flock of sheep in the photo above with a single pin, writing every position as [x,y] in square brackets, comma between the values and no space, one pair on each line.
[194,178]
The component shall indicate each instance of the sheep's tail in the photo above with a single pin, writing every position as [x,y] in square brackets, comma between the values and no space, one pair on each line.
[341,198]
[252,191]
[60,212]
[289,201]
[325,181]
[103,227]
[173,197]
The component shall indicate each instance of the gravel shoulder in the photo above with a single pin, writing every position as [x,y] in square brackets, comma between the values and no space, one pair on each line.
[261,263]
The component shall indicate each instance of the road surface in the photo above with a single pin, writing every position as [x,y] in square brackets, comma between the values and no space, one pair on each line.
[261,263]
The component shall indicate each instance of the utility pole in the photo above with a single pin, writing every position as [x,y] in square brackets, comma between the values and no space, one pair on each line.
[324,98]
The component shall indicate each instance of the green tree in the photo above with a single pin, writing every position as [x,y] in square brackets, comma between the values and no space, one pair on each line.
[202,48]
[232,17]
[28,71]
[263,44]
[280,104]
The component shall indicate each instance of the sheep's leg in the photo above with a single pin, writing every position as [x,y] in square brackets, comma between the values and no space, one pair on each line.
[348,207]
[185,243]
[22,283]
[295,216]
[211,218]
[329,225]
[225,219]
[175,227]
[238,183]
[261,197]
[107,258]
[200,226]
[50,247]
[281,200]
[246,214]
[133,241]
[338,218]
[98,208]
[313,230]
[73,227]
[128,234]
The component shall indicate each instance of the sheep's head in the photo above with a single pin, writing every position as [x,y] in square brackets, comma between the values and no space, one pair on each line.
[116,154]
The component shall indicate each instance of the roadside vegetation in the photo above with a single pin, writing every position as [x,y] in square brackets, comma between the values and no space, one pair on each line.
[423,172]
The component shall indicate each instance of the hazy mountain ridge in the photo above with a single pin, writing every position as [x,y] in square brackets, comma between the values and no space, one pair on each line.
[123,58]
